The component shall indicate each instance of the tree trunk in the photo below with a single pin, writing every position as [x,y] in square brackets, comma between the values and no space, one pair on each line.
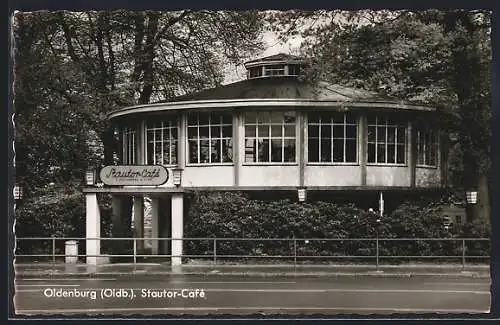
[482,209]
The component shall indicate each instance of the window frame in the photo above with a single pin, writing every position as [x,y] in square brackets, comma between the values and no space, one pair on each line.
[419,130]
[188,162]
[126,131]
[269,125]
[396,123]
[173,123]
[332,124]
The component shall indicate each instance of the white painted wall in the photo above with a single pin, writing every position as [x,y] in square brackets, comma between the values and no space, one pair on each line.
[332,175]
[388,176]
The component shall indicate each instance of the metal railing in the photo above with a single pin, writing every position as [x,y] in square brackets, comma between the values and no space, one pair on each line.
[298,245]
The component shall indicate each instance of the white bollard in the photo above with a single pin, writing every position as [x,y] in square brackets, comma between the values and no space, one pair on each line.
[71,252]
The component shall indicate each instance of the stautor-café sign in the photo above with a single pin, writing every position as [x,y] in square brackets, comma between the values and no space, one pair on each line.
[134,175]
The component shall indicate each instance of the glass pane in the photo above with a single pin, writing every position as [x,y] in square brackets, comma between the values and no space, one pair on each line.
[326,150]
[150,154]
[227,131]
[372,120]
[215,151]
[250,150]
[173,147]
[391,135]
[289,117]
[351,119]
[158,134]
[227,150]
[381,134]
[338,118]
[401,134]
[277,117]
[276,154]
[250,117]
[313,150]
[192,119]
[338,131]
[338,150]
[203,118]
[227,119]
[401,154]
[326,131]
[289,150]
[290,131]
[381,153]
[203,132]
[250,131]
[433,155]
[313,118]
[173,133]
[193,151]
[158,153]
[276,131]
[263,131]
[351,151]
[263,147]
[204,152]
[351,131]
[166,152]
[192,132]
[313,131]
[263,118]
[215,131]
[371,152]
[371,134]
[391,151]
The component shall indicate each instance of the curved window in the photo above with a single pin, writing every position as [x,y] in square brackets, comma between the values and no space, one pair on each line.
[161,139]
[386,140]
[427,147]
[210,138]
[129,145]
[270,137]
[332,138]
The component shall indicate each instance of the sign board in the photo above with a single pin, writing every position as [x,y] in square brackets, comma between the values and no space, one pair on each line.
[134,175]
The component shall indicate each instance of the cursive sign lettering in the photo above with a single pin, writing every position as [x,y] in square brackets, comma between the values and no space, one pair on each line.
[134,175]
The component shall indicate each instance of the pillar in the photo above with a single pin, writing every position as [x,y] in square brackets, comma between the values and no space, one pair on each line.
[155,233]
[139,221]
[93,228]
[363,146]
[177,228]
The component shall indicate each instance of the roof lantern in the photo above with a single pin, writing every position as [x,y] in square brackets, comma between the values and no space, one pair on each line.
[278,65]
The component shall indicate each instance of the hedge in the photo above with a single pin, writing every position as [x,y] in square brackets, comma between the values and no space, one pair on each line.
[235,215]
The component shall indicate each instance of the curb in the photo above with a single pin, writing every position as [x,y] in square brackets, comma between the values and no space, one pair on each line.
[248,273]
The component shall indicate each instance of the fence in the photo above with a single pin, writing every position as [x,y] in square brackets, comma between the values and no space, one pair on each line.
[305,249]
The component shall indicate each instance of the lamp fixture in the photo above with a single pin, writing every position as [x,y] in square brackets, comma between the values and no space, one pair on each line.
[90,177]
[471,197]
[177,176]
[18,192]
[301,192]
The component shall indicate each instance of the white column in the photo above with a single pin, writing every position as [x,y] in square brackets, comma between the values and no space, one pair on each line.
[177,228]
[93,228]
[155,233]
[139,221]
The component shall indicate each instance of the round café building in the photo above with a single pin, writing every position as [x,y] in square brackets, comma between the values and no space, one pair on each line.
[272,134]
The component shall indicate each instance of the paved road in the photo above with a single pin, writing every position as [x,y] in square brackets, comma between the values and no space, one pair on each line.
[211,295]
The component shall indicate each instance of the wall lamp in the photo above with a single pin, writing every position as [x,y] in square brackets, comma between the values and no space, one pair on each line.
[301,192]
[471,197]
[18,192]
[177,176]
[90,177]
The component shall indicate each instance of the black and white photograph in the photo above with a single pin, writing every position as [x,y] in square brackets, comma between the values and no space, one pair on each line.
[251,163]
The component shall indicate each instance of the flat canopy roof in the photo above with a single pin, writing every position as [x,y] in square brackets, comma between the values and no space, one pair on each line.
[275,92]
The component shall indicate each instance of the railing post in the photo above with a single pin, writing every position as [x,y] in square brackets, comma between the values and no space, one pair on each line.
[53,250]
[463,254]
[377,253]
[294,251]
[135,251]
[215,250]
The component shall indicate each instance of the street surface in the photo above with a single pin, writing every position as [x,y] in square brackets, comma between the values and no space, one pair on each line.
[215,295]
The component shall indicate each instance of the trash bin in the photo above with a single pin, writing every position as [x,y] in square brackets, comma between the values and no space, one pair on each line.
[71,252]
